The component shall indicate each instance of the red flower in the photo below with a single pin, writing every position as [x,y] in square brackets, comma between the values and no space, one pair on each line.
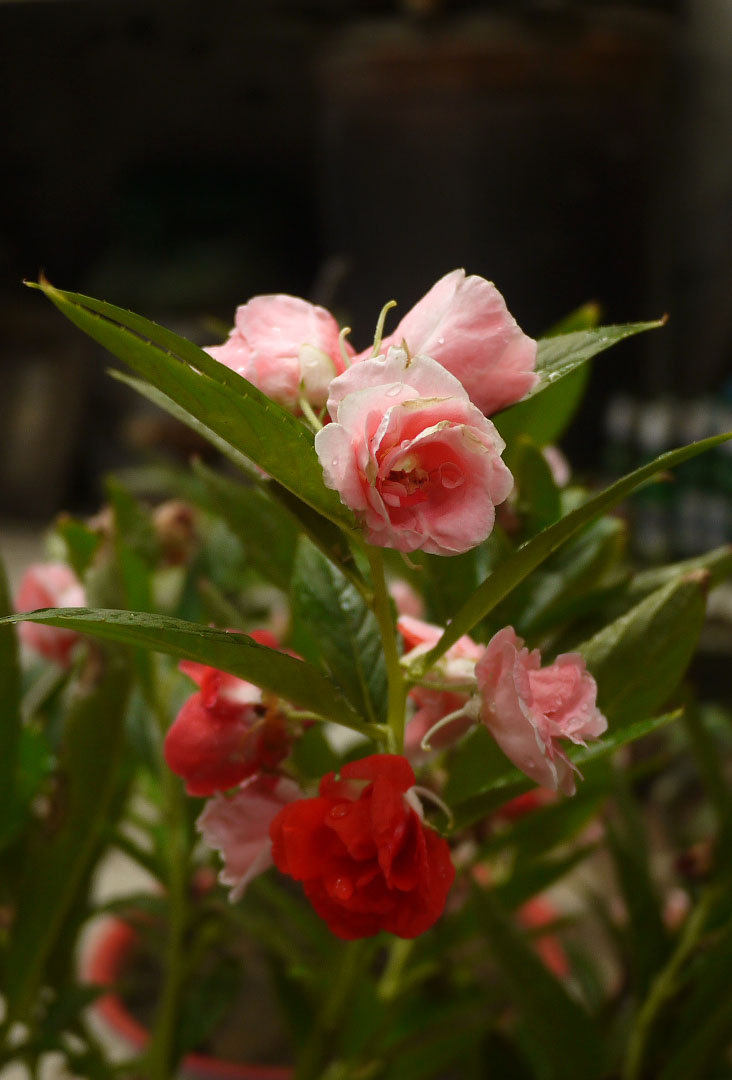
[227,731]
[367,860]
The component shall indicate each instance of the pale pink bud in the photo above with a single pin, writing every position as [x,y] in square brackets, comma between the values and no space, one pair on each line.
[558,465]
[412,456]
[455,675]
[464,324]
[284,346]
[528,709]
[238,827]
[48,585]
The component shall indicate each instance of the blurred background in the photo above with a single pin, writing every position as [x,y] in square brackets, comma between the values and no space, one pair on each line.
[179,158]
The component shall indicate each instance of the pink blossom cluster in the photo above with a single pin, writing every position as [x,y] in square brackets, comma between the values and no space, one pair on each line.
[407,444]
[527,708]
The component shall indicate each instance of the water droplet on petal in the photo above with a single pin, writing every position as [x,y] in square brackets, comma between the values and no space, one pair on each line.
[441,341]
[393,391]
[340,810]
[341,888]
[334,461]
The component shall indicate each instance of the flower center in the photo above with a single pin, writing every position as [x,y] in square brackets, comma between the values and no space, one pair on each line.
[412,481]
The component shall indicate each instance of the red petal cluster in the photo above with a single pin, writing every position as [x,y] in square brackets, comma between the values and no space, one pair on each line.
[226,732]
[367,860]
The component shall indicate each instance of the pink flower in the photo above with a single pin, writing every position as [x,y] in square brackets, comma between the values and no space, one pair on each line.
[281,344]
[527,708]
[46,585]
[409,453]
[534,914]
[455,674]
[464,324]
[238,827]
[558,465]
[407,600]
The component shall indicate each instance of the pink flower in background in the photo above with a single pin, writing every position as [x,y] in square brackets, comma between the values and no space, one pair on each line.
[46,585]
[527,708]
[464,324]
[525,804]
[534,914]
[455,669]
[238,827]
[412,456]
[558,465]
[407,600]
[280,342]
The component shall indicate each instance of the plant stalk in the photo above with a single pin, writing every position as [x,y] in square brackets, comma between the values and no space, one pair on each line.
[160,1057]
[313,1060]
[397,686]
[665,984]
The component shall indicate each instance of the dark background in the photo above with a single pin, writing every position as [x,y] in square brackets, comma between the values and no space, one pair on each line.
[178,158]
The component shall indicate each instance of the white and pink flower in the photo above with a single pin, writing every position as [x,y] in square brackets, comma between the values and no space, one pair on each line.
[412,456]
[285,347]
[528,708]
[464,324]
[453,679]
[238,827]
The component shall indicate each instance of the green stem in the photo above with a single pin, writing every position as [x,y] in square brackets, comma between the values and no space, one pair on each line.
[390,983]
[309,414]
[160,1058]
[665,984]
[314,1057]
[397,686]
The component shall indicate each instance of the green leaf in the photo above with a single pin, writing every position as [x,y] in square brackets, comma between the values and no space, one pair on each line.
[536,875]
[545,828]
[447,583]
[706,1045]
[717,563]
[538,495]
[554,592]
[60,856]
[433,1033]
[476,765]
[284,675]
[157,397]
[559,1036]
[222,401]
[330,540]
[646,938]
[701,1027]
[322,532]
[481,786]
[561,364]
[34,762]
[518,567]
[135,544]
[585,317]
[344,630]
[639,659]
[10,693]
[80,541]
[266,531]
[313,755]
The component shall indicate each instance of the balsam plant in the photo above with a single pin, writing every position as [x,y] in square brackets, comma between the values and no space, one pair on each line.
[405,662]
